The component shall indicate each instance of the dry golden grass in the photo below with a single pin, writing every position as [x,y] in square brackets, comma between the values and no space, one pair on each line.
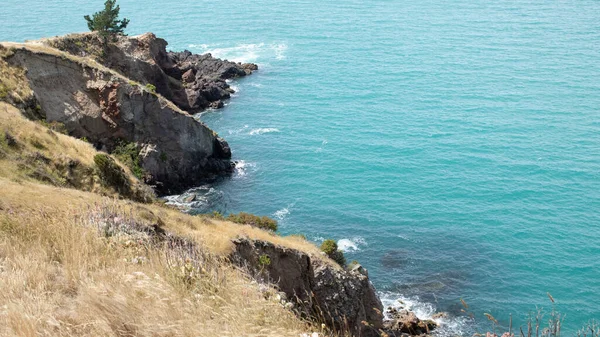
[59,277]
[40,154]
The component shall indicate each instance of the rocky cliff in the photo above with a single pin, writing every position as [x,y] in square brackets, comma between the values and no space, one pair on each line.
[176,151]
[193,82]
[345,300]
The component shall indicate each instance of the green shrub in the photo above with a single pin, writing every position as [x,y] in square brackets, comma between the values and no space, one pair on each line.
[264,260]
[129,155]
[111,173]
[254,220]
[217,215]
[54,126]
[330,248]
[151,88]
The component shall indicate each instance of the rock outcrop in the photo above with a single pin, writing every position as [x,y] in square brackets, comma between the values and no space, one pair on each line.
[343,299]
[93,102]
[193,82]
[404,322]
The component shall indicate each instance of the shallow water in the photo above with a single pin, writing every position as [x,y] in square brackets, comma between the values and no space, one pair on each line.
[452,147]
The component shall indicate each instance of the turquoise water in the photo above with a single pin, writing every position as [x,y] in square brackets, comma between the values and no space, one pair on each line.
[451,147]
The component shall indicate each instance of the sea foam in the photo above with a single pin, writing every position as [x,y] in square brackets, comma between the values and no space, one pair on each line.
[447,326]
[245,52]
[261,131]
[351,245]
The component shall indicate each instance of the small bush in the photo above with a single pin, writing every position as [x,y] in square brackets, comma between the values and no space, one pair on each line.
[54,126]
[129,154]
[217,215]
[330,248]
[254,220]
[111,173]
[151,88]
[163,157]
[264,260]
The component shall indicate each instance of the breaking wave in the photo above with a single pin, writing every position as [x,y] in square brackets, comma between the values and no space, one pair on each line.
[351,245]
[245,52]
[261,131]
[447,325]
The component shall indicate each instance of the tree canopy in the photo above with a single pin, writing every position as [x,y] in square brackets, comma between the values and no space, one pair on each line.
[107,21]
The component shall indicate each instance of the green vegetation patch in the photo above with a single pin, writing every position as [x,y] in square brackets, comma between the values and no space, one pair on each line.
[262,222]
[111,173]
[151,88]
[330,248]
[129,155]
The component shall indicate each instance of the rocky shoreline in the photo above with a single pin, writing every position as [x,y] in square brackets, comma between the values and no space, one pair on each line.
[132,91]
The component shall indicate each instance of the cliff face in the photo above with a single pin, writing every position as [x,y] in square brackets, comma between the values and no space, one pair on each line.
[193,82]
[177,151]
[345,300]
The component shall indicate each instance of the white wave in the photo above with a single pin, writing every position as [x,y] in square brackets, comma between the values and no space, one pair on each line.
[318,239]
[193,46]
[280,50]
[202,199]
[260,131]
[447,326]
[281,214]
[233,85]
[242,167]
[245,52]
[238,131]
[351,245]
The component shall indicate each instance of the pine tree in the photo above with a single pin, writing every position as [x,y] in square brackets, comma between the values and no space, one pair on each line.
[106,22]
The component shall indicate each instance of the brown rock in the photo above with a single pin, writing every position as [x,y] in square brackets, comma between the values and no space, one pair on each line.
[188,76]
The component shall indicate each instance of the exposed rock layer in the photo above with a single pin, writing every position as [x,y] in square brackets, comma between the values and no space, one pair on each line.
[177,151]
[343,299]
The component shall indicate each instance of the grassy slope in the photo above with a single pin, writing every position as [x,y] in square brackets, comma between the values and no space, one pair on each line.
[59,277]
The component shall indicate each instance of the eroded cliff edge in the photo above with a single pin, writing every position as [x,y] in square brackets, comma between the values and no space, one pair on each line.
[193,82]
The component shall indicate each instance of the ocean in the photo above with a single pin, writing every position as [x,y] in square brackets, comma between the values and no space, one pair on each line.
[452,148]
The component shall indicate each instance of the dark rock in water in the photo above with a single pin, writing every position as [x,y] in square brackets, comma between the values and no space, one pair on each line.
[404,321]
[394,258]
